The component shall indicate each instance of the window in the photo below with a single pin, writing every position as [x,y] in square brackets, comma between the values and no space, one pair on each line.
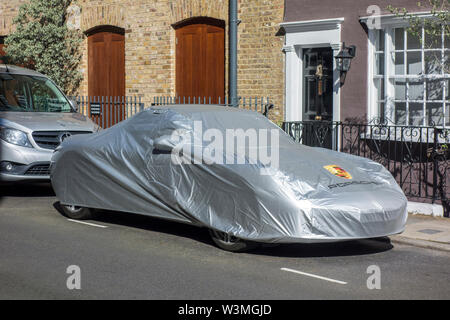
[410,77]
[20,93]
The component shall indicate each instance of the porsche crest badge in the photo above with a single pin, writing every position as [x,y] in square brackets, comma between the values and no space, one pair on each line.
[338,171]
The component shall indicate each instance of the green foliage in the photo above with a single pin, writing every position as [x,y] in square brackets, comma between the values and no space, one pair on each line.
[43,42]
[433,27]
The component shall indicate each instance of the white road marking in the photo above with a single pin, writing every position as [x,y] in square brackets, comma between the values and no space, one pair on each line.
[89,224]
[313,275]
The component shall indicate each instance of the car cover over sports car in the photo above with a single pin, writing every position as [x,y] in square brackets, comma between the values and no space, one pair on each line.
[304,195]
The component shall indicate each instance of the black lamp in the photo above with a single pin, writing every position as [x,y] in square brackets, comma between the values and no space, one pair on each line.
[344,60]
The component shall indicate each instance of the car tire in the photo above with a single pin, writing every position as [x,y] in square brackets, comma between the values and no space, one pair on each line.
[78,213]
[231,243]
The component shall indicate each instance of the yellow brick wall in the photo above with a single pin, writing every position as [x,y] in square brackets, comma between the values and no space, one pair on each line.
[150,43]
[8,10]
[260,59]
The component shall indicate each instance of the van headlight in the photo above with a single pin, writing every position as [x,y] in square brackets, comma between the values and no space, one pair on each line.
[15,136]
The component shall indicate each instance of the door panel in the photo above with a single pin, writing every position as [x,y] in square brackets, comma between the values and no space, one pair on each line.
[215,63]
[318,98]
[106,74]
[200,67]
[106,64]
[318,84]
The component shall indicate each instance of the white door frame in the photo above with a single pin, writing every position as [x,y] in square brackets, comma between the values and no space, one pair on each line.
[302,35]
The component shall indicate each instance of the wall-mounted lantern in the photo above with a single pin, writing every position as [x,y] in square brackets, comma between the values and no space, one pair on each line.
[344,60]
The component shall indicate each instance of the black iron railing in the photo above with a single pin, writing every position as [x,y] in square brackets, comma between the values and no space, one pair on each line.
[259,104]
[418,157]
[106,111]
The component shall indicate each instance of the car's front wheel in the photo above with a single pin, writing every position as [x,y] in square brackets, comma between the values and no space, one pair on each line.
[75,212]
[231,243]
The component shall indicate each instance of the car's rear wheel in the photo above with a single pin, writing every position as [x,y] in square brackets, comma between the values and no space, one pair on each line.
[231,243]
[75,212]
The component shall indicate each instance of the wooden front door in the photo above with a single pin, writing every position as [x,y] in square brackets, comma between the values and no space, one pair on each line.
[106,72]
[106,64]
[200,62]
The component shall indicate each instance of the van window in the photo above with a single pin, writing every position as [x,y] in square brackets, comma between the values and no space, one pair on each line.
[22,93]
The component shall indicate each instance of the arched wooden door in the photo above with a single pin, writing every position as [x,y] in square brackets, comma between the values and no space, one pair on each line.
[200,60]
[106,72]
[106,63]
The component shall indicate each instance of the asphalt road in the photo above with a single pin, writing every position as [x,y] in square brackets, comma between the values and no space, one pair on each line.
[123,256]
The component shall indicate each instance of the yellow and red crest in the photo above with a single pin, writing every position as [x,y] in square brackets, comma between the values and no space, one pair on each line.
[338,171]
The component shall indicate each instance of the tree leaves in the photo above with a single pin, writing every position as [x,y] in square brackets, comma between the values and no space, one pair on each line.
[42,41]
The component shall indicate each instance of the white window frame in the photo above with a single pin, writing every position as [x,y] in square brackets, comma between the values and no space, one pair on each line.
[389,23]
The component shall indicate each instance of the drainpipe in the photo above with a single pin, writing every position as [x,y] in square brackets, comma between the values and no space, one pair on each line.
[233,52]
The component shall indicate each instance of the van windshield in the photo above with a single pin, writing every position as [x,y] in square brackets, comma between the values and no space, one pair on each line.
[22,93]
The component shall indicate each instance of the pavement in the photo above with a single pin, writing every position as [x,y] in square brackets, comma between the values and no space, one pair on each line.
[124,256]
[426,231]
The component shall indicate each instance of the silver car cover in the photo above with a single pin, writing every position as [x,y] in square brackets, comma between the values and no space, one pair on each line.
[310,195]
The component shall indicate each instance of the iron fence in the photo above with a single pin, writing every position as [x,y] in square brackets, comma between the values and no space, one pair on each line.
[259,104]
[418,157]
[107,111]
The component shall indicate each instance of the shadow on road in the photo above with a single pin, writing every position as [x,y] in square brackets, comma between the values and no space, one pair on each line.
[347,248]
[148,223]
[335,249]
[42,189]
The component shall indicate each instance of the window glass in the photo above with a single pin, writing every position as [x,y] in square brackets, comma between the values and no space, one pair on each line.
[433,41]
[416,77]
[399,39]
[447,116]
[30,94]
[414,62]
[400,89]
[13,94]
[47,98]
[447,89]
[446,62]
[435,114]
[415,90]
[399,63]
[434,89]
[400,113]
[413,41]
[415,114]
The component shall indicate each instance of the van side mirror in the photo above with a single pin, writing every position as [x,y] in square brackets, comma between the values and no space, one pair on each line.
[74,104]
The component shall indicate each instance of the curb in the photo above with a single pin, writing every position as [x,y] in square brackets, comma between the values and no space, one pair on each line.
[421,243]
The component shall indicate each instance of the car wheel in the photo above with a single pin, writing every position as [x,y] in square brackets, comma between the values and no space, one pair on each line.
[231,243]
[79,213]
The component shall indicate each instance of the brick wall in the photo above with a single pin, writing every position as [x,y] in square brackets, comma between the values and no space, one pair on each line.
[8,10]
[150,43]
[260,59]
